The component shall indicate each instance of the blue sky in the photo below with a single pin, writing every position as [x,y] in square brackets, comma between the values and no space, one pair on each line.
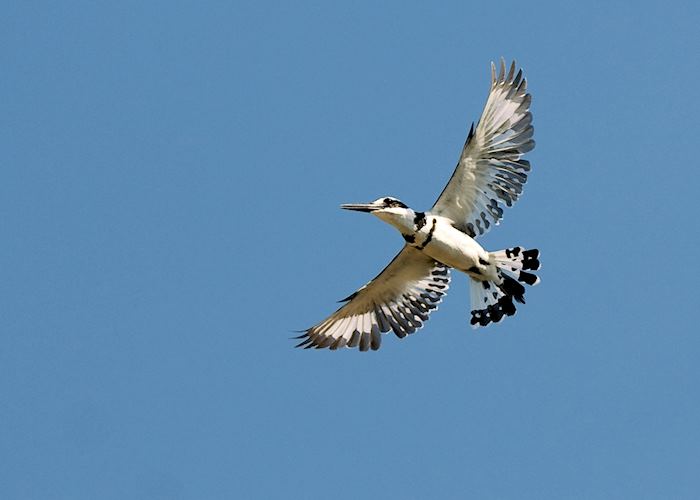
[171,175]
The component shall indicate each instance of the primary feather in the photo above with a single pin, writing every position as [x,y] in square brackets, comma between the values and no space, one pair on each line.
[400,298]
[491,172]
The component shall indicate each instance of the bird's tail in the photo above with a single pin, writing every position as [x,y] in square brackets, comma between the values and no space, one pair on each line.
[493,300]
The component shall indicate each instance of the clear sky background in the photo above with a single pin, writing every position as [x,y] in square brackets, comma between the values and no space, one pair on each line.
[171,175]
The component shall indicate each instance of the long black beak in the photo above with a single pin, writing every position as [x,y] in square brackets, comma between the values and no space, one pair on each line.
[360,207]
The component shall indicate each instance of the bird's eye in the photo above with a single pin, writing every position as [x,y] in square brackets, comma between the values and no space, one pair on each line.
[393,203]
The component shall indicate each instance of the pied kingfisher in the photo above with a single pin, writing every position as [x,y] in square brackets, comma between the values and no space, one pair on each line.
[490,173]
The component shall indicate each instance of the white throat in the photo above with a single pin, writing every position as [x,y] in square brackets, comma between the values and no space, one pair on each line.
[401,218]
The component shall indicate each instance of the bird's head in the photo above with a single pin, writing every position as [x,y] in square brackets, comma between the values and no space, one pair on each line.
[388,209]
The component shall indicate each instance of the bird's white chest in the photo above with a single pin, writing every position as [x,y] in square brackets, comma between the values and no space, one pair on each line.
[441,241]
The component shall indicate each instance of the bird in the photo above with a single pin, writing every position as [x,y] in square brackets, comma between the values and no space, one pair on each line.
[489,176]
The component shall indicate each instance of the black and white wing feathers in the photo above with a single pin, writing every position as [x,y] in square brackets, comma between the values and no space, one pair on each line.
[491,172]
[400,298]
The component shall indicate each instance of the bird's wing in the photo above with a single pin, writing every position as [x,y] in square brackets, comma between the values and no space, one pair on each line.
[400,298]
[491,171]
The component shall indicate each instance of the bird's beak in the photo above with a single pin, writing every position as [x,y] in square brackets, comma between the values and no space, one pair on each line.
[360,207]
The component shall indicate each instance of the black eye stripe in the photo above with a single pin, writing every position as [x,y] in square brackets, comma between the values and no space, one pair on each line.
[391,202]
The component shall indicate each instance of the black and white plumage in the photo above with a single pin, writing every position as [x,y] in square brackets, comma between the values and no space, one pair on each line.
[491,171]
[399,299]
[490,174]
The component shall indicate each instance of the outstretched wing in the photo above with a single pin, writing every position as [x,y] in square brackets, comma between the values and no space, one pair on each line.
[491,171]
[400,298]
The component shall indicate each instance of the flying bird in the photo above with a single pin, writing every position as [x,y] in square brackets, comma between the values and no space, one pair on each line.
[490,174]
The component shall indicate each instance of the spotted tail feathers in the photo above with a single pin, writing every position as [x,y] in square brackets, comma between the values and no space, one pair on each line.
[491,300]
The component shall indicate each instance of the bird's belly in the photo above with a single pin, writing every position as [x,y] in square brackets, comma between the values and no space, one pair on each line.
[455,249]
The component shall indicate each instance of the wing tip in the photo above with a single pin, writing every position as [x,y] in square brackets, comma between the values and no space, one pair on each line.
[308,340]
[505,74]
